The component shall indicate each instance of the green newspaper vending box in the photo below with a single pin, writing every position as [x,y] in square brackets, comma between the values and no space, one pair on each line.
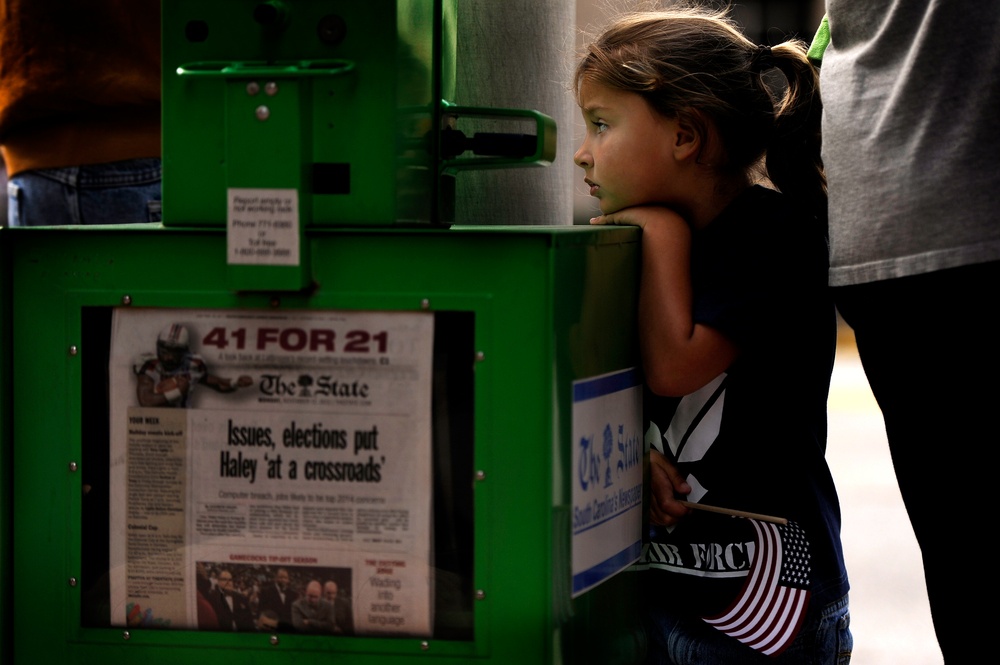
[444,427]
[306,419]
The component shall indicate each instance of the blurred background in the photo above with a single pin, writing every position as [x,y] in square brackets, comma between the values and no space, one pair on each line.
[890,617]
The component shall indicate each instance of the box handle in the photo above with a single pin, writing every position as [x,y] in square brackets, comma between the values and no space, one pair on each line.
[261,69]
[497,151]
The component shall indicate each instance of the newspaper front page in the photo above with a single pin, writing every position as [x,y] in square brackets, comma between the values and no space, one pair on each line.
[271,470]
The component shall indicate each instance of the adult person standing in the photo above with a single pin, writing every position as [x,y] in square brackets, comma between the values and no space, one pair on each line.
[80,111]
[911,147]
[231,607]
[341,608]
[278,597]
[312,613]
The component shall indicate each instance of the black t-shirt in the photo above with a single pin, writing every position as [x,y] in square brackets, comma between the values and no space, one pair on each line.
[754,438]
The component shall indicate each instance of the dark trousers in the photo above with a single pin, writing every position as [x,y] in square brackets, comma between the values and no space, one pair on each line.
[930,349]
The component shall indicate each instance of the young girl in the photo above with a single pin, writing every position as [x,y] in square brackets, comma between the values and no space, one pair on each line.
[737,328]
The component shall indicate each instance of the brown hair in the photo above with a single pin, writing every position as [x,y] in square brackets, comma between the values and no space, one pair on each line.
[690,60]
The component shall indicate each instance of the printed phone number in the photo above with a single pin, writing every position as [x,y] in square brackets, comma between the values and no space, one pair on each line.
[261,251]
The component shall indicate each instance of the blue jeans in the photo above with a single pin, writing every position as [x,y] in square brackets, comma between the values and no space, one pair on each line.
[123,192]
[824,639]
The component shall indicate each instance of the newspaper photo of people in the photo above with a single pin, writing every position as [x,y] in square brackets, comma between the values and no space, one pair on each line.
[252,597]
[270,471]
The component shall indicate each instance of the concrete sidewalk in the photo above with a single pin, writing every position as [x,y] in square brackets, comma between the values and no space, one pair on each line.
[890,617]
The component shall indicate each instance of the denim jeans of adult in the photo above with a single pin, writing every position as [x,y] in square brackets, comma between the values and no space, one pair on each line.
[123,192]
[824,639]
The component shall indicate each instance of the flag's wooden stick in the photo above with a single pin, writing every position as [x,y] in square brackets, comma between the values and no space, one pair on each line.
[734,513]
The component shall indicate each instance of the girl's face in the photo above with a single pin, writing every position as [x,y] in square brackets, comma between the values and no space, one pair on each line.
[627,155]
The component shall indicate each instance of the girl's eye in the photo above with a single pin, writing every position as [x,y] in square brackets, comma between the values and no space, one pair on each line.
[599,126]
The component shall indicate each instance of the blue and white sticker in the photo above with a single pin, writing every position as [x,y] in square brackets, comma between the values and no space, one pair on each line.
[607,477]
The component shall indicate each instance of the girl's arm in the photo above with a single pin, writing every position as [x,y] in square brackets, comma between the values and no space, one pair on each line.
[678,356]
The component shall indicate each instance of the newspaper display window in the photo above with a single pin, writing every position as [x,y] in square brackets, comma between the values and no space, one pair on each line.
[280,471]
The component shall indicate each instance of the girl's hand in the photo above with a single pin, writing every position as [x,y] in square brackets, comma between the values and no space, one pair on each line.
[665,481]
[640,216]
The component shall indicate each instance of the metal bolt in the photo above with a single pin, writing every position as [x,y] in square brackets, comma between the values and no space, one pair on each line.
[72,581]
[480,356]
[126,300]
[263,113]
[425,304]
[480,594]
[253,88]
[72,466]
[270,88]
[126,635]
[424,645]
[73,350]
[480,476]
[274,640]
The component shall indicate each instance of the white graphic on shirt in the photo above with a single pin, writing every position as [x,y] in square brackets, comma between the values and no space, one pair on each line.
[697,421]
[693,429]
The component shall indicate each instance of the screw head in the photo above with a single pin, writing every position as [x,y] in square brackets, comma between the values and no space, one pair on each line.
[126,300]
[73,350]
[253,88]
[274,640]
[72,466]
[262,113]
[270,88]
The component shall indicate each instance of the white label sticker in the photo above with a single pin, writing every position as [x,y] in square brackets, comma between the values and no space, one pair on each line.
[607,483]
[263,227]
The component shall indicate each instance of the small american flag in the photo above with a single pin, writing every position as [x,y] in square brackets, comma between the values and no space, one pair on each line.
[767,614]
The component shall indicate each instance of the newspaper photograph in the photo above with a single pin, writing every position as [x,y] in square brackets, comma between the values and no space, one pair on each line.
[271,471]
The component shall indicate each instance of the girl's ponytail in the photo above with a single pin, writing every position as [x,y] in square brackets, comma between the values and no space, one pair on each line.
[793,160]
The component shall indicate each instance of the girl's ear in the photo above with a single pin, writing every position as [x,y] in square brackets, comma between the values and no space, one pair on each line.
[690,136]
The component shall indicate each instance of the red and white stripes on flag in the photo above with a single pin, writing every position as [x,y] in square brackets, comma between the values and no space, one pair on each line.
[769,610]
